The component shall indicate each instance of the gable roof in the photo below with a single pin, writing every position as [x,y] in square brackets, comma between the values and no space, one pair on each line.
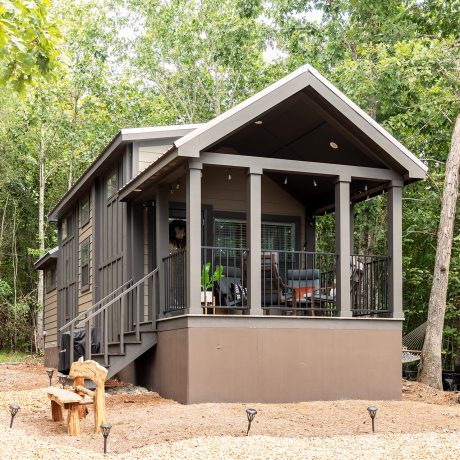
[305,76]
[253,108]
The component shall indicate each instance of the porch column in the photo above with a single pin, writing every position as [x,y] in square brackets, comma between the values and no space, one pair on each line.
[395,248]
[193,205]
[254,231]
[162,240]
[352,227]
[342,244]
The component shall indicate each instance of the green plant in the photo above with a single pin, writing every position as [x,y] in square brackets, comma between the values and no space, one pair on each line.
[208,279]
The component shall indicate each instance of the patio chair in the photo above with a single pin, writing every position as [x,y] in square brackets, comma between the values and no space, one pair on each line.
[272,284]
[229,290]
[300,286]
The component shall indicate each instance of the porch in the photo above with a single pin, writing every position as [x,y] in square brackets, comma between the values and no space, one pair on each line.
[293,283]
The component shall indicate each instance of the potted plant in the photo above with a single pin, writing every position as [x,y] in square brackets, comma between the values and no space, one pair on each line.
[207,281]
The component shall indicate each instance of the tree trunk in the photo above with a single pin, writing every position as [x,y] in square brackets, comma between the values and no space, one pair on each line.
[431,368]
[41,238]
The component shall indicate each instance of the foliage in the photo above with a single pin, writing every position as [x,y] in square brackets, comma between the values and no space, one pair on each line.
[131,63]
[208,279]
[28,41]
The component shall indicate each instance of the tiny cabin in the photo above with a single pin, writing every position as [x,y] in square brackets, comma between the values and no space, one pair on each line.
[187,254]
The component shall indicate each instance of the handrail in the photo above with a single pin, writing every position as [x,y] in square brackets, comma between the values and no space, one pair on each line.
[83,313]
[118,297]
[123,297]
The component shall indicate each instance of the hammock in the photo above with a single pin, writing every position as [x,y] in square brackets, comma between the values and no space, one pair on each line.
[413,343]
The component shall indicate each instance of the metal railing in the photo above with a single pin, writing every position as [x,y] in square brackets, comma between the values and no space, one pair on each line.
[97,305]
[369,285]
[135,304]
[298,283]
[223,279]
[175,281]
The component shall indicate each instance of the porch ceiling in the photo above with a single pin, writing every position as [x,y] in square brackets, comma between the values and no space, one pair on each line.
[302,127]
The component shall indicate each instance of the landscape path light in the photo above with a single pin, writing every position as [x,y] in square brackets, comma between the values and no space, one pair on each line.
[251,413]
[50,373]
[372,412]
[14,409]
[105,427]
[62,380]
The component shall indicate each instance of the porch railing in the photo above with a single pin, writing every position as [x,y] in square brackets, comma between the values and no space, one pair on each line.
[175,281]
[369,285]
[299,283]
[223,279]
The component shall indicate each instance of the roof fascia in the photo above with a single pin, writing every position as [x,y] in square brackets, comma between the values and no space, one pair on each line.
[368,125]
[84,178]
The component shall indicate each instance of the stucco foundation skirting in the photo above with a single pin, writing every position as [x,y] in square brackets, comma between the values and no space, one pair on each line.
[16,444]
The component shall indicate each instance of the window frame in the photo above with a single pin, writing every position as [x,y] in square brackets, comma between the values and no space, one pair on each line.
[86,199]
[113,174]
[50,283]
[85,244]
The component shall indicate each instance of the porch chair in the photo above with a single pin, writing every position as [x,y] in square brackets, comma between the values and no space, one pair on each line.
[273,287]
[302,284]
[229,290]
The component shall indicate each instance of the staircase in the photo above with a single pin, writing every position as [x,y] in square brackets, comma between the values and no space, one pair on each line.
[123,323]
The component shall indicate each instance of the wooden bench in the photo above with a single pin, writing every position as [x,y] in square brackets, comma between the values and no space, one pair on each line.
[74,399]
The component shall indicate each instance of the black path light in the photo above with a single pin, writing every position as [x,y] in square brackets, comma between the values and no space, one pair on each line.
[14,409]
[62,380]
[251,413]
[105,427]
[372,412]
[50,373]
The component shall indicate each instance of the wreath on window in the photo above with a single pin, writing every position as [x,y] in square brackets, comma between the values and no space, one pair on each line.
[177,233]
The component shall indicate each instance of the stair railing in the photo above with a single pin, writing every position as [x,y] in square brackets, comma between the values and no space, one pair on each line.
[95,306]
[140,294]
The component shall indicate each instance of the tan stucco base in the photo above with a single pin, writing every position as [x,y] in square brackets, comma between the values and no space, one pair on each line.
[51,357]
[330,360]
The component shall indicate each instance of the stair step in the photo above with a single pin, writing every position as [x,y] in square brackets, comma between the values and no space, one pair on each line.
[101,355]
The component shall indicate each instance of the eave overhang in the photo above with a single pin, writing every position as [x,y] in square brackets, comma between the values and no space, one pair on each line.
[48,259]
[125,136]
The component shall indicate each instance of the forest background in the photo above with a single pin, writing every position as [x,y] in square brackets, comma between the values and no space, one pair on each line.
[74,72]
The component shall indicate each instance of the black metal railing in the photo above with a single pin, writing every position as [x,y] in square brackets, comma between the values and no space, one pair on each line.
[174,267]
[123,310]
[223,279]
[298,282]
[369,285]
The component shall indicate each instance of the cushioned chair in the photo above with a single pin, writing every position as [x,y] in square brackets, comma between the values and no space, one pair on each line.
[229,290]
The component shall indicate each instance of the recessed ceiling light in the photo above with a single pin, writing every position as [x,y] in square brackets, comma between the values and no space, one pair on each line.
[258,122]
[333,145]
[138,190]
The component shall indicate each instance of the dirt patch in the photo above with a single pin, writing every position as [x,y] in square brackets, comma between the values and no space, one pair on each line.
[23,376]
[142,419]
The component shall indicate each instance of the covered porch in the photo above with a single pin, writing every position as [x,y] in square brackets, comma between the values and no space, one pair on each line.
[245,261]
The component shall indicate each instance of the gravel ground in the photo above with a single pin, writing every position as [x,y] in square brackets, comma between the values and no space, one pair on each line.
[17,445]
[424,425]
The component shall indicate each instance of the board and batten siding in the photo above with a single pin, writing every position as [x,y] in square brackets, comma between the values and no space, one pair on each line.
[50,317]
[85,233]
[149,153]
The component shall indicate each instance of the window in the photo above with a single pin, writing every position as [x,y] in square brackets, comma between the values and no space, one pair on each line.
[275,235]
[64,229]
[50,279]
[111,184]
[84,264]
[84,210]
